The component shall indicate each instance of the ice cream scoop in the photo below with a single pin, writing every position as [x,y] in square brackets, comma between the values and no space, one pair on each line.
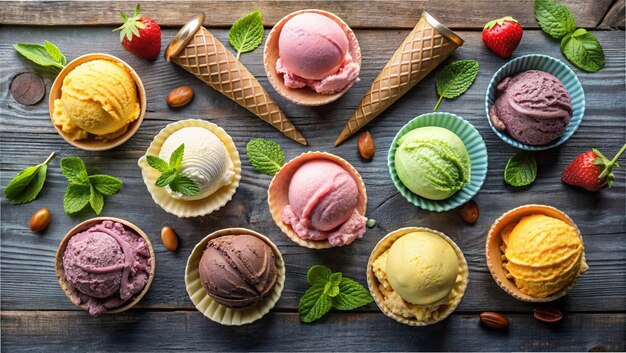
[533,107]
[205,160]
[98,97]
[323,198]
[432,162]
[238,271]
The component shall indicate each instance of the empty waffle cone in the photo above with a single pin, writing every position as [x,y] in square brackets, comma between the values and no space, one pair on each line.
[428,44]
[196,50]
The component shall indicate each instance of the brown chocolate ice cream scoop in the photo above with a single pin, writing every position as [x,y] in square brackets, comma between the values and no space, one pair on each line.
[238,271]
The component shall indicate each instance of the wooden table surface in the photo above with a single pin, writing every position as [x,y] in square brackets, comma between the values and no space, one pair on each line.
[37,316]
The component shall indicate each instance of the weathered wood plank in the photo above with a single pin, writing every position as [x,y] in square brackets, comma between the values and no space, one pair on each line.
[358,14]
[190,331]
[615,16]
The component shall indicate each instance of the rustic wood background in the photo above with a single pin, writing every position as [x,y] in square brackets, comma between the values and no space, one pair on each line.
[36,315]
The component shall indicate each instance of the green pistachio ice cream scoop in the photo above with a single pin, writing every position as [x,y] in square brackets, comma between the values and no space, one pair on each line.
[432,162]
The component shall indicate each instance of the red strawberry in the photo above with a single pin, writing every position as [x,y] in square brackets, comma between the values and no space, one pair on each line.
[591,170]
[502,36]
[140,35]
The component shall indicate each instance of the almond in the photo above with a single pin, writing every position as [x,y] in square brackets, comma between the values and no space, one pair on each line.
[469,212]
[366,146]
[547,314]
[179,96]
[169,238]
[494,320]
[40,220]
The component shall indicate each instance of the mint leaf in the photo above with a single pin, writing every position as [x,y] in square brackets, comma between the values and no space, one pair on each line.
[71,167]
[157,163]
[554,19]
[170,174]
[455,79]
[266,156]
[96,200]
[247,33]
[331,288]
[314,304]
[39,55]
[584,50]
[165,178]
[318,274]
[55,53]
[184,185]
[27,184]
[351,295]
[105,184]
[521,169]
[176,159]
[76,198]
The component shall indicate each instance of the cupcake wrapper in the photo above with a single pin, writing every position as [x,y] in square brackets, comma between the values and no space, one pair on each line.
[304,96]
[278,194]
[475,148]
[494,254]
[216,311]
[373,283]
[550,65]
[69,290]
[194,208]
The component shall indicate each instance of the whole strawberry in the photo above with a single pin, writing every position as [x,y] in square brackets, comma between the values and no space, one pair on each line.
[140,35]
[502,36]
[591,170]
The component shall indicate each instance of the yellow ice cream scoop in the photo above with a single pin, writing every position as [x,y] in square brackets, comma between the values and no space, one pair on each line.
[541,254]
[422,267]
[99,97]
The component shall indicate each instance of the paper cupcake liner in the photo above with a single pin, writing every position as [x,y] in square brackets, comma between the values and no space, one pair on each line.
[216,311]
[92,144]
[182,208]
[494,254]
[278,194]
[550,65]
[373,283]
[67,287]
[475,148]
[304,96]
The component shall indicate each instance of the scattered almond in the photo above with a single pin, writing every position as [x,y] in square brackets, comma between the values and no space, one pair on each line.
[169,238]
[179,96]
[547,314]
[366,146]
[469,212]
[40,220]
[494,320]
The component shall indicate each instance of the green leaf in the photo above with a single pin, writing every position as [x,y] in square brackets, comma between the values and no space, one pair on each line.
[96,200]
[247,33]
[455,79]
[55,53]
[554,19]
[266,156]
[27,184]
[318,274]
[158,164]
[584,50]
[351,295]
[184,185]
[165,179]
[76,197]
[331,288]
[37,54]
[314,304]
[521,169]
[105,184]
[71,167]
[176,159]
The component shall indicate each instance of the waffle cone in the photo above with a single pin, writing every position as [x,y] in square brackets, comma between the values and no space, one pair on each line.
[420,52]
[210,61]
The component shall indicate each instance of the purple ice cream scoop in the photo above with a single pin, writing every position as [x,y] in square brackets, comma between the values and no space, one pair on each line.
[106,265]
[533,107]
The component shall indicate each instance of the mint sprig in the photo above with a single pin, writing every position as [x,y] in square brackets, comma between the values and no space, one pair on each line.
[455,79]
[247,33]
[171,174]
[85,189]
[27,184]
[330,290]
[521,169]
[47,55]
[580,47]
[266,156]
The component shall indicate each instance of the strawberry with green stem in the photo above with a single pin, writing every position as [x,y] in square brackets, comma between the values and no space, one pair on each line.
[140,35]
[592,170]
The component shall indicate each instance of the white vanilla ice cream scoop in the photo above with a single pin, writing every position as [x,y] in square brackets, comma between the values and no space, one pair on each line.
[205,160]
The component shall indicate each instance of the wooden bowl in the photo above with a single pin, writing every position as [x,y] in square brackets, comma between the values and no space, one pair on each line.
[305,95]
[494,254]
[90,143]
[60,271]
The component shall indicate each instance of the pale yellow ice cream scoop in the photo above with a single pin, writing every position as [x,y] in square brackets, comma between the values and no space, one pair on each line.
[422,268]
[98,97]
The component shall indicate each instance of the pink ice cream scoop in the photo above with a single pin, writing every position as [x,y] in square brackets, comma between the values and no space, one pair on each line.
[315,51]
[322,204]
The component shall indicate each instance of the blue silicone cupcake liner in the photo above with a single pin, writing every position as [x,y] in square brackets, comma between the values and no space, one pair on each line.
[549,65]
[475,147]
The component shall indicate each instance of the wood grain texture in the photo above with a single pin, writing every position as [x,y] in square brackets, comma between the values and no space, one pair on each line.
[26,259]
[615,17]
[357,13]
